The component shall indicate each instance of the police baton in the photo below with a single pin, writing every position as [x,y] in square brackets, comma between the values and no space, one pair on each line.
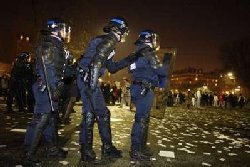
[47,85]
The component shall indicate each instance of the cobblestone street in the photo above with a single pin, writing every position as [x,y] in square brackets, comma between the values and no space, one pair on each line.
[199,137]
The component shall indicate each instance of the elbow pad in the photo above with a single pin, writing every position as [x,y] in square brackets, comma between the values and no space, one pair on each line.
[95,69]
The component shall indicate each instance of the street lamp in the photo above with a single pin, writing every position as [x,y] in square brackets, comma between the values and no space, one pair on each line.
[230,75]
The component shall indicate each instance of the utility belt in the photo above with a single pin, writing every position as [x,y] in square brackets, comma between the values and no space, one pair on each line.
[145,86]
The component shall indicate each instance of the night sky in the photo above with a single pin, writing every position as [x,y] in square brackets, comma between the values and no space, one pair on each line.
[197,28]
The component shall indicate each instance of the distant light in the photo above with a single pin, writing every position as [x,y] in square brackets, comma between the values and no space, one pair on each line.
[27,39]
[21,37]
[237,90]
[196,78]
[229,74]
[216,84]
[204,87]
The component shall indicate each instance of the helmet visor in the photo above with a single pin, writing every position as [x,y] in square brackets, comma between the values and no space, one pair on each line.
[65,32]
[155,41]
[124,35]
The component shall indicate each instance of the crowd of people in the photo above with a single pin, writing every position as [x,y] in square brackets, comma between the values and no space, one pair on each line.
[199,98]
[116,93]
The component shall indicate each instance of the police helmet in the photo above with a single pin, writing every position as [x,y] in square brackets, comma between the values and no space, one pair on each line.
[24,56]
[118,25]
[149,37]
[59,26]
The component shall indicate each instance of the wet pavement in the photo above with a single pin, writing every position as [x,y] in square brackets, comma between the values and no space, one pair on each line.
[199,137]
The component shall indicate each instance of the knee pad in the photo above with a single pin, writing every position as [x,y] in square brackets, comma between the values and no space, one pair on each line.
[89,118]
[105,116]
[142,121]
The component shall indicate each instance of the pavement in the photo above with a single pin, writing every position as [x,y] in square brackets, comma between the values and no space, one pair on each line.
[196,137]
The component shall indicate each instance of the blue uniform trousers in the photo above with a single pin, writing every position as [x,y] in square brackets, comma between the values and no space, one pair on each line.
[143,104]
[94,108]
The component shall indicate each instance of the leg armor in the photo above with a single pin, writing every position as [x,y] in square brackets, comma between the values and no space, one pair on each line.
[108,150]
[86,137]
[139,132]
[40,127]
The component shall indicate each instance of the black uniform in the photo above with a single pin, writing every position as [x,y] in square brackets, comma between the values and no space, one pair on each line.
[47,89]
[19,84]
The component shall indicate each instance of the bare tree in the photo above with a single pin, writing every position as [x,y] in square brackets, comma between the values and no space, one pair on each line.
[235,56]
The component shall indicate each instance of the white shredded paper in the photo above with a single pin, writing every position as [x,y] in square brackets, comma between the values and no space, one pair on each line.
[168,154]
[64,162]
[18,130]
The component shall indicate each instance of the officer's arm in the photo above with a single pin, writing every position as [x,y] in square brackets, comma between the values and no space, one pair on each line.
[45,56]
[103,50]
[113,66]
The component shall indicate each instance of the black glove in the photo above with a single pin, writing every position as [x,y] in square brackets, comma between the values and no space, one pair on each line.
[133,57]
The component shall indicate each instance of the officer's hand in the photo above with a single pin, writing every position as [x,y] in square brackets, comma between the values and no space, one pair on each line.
[133,56]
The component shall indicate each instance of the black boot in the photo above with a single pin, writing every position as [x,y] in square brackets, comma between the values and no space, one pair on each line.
[147,151]
[56,152]
[43,121]
[87,155]
[110,151]
[32,160]
[144,148]
[87,152]
[138,156]
[140,131]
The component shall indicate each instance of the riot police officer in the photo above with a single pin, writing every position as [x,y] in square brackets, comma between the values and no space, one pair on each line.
[21,75]
[50,60]
[96,59]
[146,73]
